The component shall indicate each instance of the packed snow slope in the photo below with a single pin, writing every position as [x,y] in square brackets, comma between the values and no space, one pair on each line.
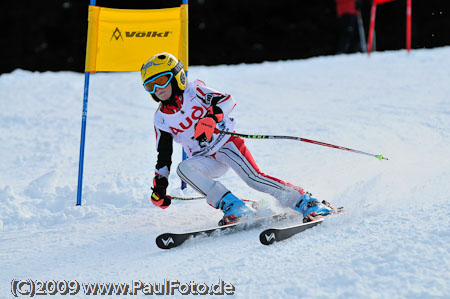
[392,242]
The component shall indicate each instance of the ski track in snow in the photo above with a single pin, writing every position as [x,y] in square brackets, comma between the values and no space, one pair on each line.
[393,240]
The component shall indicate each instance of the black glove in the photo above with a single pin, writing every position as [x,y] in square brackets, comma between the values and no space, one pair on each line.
[159,196]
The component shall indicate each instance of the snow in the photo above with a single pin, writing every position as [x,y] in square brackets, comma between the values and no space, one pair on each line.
[393,241]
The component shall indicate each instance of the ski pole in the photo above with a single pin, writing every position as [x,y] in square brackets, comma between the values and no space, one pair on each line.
[187,198]
[379,157]
[255,204]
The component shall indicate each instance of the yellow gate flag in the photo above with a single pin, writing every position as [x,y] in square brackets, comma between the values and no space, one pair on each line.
[121,40]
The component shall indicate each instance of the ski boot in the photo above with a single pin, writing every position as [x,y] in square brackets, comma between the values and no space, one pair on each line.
[311,208]
[233,209]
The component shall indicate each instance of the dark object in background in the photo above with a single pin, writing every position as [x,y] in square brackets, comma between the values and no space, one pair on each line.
[349,40]
[51,35]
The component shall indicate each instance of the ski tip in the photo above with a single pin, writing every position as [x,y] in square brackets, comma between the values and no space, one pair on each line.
[165,241]
[267,237]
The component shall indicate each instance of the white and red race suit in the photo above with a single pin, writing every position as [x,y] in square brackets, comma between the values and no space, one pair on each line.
[209,160]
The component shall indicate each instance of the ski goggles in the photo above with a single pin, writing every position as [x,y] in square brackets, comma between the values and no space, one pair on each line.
[161,81]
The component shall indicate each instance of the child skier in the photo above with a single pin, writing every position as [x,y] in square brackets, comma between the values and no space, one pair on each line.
[191,114]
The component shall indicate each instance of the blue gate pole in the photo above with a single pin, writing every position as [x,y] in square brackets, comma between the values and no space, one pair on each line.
[184,156]
[83,138]
[183,184]
[83,133]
